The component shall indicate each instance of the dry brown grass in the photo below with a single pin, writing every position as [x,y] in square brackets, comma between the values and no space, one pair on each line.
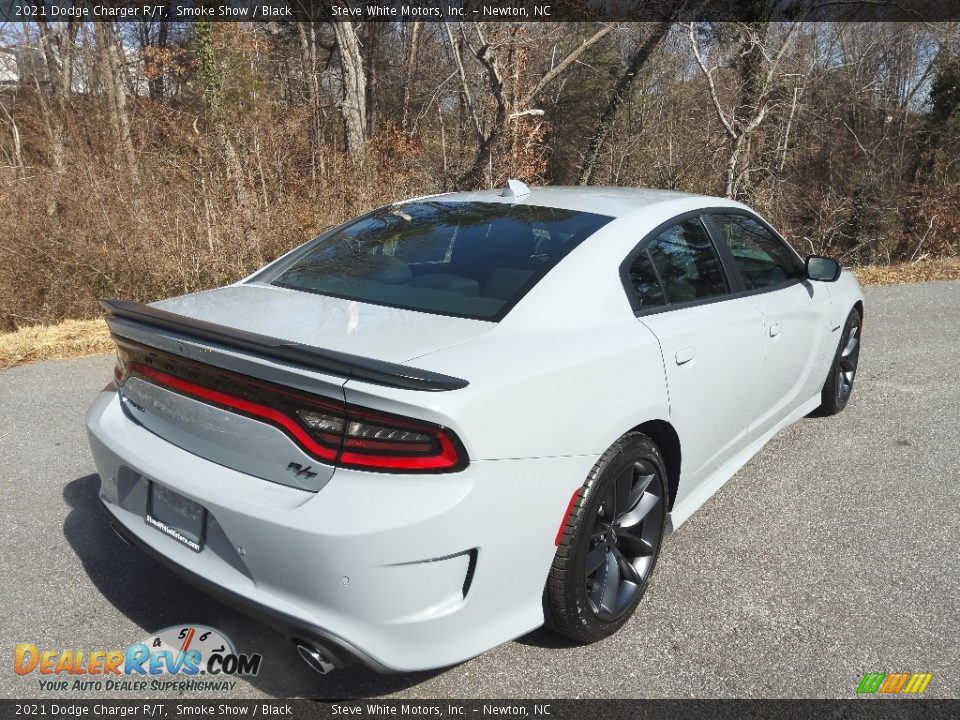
[71,338]
[944,269]
[77,338]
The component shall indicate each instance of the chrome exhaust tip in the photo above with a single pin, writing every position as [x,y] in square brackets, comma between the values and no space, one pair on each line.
[315,658]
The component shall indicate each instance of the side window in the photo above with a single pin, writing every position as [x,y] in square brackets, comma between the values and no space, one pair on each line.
[687,263]
[645,283]
[762,259]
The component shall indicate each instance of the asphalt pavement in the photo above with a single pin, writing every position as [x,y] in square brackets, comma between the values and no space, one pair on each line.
[834,552]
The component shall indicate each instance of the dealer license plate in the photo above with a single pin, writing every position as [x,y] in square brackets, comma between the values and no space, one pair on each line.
[176,517]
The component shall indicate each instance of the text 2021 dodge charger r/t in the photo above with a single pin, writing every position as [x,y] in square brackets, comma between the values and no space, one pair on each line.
[436,427]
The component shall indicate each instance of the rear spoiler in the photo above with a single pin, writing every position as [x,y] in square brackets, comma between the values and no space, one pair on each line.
[352,367]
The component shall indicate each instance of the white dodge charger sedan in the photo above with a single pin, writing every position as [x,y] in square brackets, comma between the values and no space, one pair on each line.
[440,425]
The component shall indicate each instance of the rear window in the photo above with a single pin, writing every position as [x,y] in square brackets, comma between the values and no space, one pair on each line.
[467,259]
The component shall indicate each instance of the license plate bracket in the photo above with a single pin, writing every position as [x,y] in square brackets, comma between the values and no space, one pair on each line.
[176,516]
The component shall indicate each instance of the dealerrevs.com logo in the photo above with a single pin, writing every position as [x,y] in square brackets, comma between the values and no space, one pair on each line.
[184,657]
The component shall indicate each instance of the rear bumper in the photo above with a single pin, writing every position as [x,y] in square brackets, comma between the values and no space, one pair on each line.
[399,572]
[341,650]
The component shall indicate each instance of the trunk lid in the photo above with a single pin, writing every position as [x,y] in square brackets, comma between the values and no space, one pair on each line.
[371,331]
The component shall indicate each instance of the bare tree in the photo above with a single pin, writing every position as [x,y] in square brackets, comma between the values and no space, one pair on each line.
[478,174]
[153,38]
[308,43]
[353,104]
[408,75]
[17,153]
[638,59]
[108,52]
[56,45]
[756,66]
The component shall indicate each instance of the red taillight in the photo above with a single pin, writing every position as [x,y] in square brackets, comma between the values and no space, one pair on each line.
[331,431]
[388,442]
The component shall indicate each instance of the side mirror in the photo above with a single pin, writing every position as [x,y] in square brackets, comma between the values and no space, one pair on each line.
[822,268]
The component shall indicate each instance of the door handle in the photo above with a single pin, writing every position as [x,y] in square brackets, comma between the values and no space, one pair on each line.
[774,329]
[685,355]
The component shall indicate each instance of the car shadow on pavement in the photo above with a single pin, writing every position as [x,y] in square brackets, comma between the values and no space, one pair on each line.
[546,639]
[154,598]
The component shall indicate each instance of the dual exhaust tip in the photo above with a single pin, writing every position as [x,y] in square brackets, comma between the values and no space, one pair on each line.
[319,660]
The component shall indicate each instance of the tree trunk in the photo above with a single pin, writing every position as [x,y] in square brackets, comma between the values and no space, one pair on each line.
[106,80]
[209,72]
[308,61]
[478,175]
[15,137]
[408,78]
[109,51]
[750,67]
[639,58]
[353,106]
[68,42]
[53,51]
[372,51]
[155,65]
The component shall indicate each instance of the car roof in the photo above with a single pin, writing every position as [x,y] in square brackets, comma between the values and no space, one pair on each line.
[609,201]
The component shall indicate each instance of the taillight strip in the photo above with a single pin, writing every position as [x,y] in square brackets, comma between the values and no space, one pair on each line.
[443,453]
[235,403]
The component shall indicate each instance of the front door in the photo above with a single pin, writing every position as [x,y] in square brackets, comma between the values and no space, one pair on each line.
[795,314]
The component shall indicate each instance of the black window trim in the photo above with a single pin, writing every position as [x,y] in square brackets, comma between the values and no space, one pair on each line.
[735,278]
[656,273]
[735,282]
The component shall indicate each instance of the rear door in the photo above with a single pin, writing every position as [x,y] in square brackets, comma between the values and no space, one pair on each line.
[795,312]
[710,342]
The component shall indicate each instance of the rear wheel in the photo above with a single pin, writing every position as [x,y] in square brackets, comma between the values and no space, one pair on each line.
[836,390]
[611,542]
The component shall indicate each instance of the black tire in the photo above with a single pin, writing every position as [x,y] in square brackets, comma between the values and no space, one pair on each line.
[839,384]
[623,533]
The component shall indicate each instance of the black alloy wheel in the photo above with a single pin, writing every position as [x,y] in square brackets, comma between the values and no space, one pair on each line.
[610,544]
[849,356]
[839,384]
[624,541]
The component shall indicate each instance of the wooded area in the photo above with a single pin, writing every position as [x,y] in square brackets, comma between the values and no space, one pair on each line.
[141,160]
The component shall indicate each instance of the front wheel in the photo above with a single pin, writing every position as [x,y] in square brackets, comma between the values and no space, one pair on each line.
[836,390]
[611,542]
